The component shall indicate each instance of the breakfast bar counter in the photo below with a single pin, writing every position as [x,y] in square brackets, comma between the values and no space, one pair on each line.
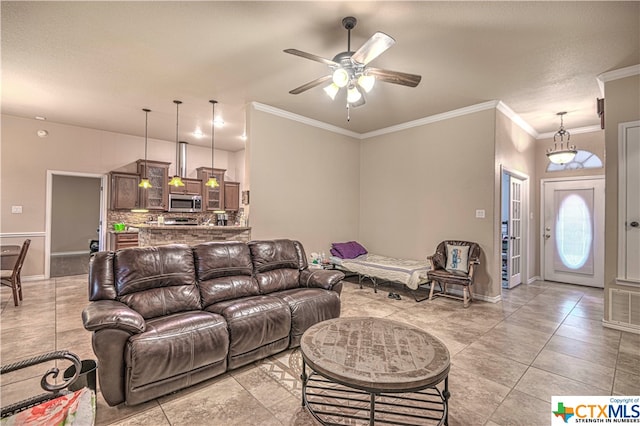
[157,235]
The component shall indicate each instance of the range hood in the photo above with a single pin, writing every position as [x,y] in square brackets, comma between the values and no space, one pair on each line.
[181,167]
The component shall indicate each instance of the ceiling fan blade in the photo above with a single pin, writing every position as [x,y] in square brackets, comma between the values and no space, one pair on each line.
[310,85]
[312,57]
[372,48]
[395,77]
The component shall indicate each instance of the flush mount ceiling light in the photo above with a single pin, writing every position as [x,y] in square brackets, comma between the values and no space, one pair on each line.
[349,69]
[564,153]
[42,133]
[176,180]
[212,182]
[144,182]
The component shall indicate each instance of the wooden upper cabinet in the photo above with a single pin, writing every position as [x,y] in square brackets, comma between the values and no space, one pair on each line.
[212,198]
[191,187]
[124,191]
[156,197]
[232,196]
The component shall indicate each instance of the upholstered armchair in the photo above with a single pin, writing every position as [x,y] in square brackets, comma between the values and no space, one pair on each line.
[454,263]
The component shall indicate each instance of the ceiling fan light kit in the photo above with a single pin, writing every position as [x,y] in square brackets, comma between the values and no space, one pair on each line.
[349,69]
[564,153]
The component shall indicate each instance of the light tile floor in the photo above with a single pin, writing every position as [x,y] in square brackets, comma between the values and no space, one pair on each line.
[508,358]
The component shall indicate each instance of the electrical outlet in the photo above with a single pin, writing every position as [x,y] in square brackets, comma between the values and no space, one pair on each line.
[16,209]
[480,214]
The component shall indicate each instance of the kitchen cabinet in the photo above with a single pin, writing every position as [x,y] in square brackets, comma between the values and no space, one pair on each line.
[191,187]
[212,198]
[124,191]
[120,240]
[232,196]
[156,197]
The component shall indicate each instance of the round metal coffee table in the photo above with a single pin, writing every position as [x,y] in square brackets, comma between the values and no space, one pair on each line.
[374,370]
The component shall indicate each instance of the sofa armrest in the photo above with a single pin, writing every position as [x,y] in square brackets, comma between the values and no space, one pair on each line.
[103,314]
[321,278]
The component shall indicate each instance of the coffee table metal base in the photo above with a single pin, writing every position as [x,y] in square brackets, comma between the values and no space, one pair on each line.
[333,403]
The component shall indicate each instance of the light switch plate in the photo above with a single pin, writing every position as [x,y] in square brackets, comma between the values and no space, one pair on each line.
[480,214]
[16,209]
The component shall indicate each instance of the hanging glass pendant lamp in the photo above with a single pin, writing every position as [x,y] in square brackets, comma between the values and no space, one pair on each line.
[212,182]
[144,182]
[566,152]
[176,180]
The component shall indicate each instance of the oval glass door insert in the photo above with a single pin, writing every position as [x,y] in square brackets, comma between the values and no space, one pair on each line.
[573,232]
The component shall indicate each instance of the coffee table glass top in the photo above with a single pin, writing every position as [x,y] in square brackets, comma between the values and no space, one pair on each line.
[375,354]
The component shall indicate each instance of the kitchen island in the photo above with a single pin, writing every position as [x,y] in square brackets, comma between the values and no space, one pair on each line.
[158,235]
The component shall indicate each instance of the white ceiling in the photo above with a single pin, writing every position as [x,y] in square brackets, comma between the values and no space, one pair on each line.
[97,64]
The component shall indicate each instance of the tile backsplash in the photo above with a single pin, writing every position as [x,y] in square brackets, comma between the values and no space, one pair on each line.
[132,219]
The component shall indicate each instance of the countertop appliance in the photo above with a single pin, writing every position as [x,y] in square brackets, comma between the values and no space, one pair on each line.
[185,203]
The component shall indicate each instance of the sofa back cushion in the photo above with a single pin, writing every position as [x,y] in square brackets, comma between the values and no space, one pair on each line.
[224,271]
[276,264]
[156,281]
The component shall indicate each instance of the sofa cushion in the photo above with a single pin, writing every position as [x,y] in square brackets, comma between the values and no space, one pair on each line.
[278,280]
[224,271]
[275,254]
[175,344]
[309,306]
[254,322]
[222,259]
[157,281]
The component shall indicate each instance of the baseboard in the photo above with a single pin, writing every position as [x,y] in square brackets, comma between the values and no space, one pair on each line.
[533,279]
[622,327]
[32,278]
[70,253]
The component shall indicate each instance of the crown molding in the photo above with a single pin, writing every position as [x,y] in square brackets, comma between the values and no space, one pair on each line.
[616,75]
[576,131]
[499,105]
[432,119]
[503,108]
[304,120]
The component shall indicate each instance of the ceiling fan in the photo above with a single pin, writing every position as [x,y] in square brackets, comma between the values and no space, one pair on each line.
[350,69]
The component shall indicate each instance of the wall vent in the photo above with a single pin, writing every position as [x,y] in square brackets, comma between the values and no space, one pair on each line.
[624,307]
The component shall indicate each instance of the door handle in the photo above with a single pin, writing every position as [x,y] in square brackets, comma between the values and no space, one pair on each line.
[635,224]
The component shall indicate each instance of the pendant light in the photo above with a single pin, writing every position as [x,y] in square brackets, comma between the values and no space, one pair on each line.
[212,182]
[563,154]
[144,182]
[176,180]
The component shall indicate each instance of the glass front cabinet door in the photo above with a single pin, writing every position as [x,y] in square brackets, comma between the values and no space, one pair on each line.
[156,197]
[213,198]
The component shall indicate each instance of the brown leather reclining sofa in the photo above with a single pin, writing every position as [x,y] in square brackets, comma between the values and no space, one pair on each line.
[164,318]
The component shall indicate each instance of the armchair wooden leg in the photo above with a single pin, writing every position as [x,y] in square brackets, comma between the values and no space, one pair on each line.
[433,284]
[465,296]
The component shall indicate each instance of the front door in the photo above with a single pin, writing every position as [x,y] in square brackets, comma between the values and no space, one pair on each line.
[573,231]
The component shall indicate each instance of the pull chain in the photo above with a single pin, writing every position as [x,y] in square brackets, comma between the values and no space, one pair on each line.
[348,112]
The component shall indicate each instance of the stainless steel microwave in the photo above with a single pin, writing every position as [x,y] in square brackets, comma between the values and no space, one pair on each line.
[185,203]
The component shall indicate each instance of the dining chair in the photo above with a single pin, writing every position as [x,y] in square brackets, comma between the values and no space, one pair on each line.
[11,278]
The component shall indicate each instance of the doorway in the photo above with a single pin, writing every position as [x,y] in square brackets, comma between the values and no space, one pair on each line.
[74,222]
[514,227]
[573,230]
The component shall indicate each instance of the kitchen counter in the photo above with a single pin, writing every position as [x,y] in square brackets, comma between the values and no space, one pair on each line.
[157,235]
[187,227]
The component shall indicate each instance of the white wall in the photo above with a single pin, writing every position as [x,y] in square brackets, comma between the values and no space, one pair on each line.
[422,185]
[304,182]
